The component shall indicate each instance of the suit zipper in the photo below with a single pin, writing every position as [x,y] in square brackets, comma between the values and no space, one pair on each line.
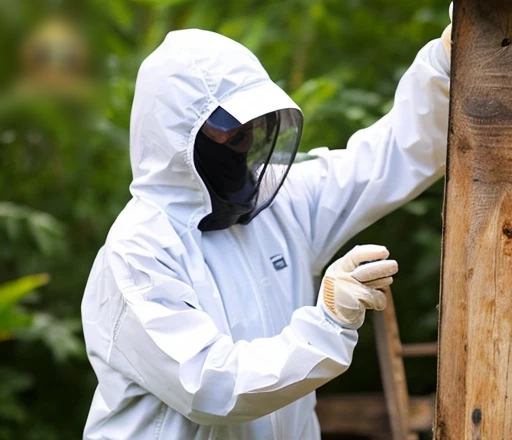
[252,279]
[275,425]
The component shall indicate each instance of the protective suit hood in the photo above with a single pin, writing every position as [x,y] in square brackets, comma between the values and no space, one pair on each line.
[178,87]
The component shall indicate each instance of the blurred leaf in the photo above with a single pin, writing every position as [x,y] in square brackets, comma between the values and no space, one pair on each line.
[12,321]
[46,231]
[13,382]
[314,93]
[417,207]
[121,12]
[58,335]
[13,291]
[161,2]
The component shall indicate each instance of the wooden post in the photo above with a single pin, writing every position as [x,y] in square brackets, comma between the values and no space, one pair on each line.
[474,398]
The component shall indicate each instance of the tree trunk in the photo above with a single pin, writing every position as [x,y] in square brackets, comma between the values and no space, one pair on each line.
[474,399]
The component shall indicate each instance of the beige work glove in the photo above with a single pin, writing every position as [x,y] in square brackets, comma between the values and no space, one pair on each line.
[446,37]
[351,284]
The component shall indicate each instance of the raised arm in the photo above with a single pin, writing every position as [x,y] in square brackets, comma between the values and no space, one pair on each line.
[342,192]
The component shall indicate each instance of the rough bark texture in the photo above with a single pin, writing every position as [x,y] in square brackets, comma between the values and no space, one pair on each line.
[474,399]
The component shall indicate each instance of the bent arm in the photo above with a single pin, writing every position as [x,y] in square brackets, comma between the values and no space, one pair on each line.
[180,357]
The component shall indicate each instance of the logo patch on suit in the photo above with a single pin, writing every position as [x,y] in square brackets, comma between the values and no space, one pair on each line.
[278,261]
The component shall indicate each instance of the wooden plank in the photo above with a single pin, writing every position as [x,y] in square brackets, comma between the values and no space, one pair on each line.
[392,371]
[423,349]
[474,399]
[366,415]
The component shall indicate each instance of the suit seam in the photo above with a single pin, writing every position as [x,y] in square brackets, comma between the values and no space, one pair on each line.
[160,420]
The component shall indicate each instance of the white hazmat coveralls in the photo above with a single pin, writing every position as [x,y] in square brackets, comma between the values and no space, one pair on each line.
[215,335]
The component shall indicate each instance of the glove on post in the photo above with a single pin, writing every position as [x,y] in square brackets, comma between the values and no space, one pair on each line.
[446,37]
[351,284]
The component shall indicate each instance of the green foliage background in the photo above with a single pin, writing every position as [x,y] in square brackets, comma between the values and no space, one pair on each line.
[65,170]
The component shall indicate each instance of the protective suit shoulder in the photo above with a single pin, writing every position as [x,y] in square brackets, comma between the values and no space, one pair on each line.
[142,246]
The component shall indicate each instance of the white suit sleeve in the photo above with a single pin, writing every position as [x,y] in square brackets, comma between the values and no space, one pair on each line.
[342,192]
[173,349]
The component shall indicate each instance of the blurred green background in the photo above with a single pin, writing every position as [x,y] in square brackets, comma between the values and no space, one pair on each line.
[64,120]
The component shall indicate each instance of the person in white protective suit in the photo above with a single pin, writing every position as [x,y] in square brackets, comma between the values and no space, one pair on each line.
[199,314]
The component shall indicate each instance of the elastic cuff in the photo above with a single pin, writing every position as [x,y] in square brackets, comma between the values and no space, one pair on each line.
[327,304]
[333,319]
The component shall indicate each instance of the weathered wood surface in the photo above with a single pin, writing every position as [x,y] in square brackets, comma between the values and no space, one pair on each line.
[474,398]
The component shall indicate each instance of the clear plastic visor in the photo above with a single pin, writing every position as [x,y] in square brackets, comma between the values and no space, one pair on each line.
[268,144]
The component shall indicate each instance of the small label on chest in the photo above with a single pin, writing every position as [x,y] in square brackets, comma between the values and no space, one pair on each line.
[278,262]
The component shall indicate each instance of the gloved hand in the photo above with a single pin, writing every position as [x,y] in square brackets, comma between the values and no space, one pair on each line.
[446,37]
[351,284]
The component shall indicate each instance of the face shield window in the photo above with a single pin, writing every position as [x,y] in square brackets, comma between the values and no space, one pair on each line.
[246,164]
